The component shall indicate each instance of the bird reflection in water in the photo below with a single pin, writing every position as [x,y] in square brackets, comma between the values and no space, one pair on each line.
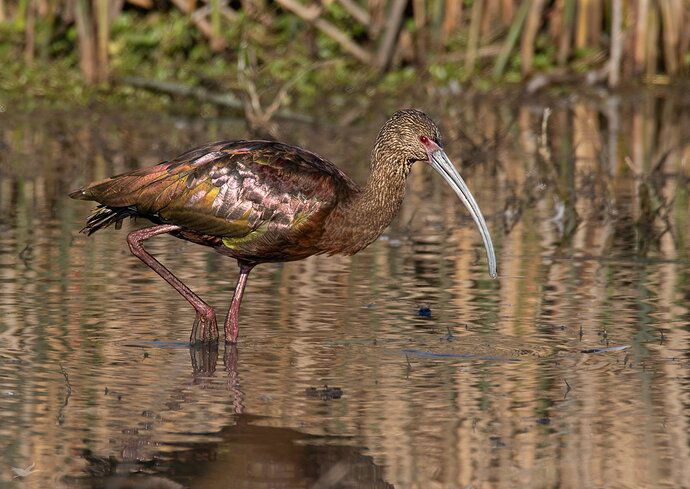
[243,454]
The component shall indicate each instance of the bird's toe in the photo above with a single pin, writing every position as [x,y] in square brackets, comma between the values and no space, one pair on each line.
[205,327]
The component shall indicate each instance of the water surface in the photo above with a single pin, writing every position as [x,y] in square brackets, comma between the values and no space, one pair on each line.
[570,370]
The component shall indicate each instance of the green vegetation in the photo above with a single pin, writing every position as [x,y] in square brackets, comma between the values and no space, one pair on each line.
[293,53]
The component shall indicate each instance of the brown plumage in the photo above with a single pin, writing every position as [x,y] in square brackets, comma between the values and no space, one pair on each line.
[262,201]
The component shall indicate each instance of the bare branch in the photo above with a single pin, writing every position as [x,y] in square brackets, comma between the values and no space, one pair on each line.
[311,15]
[355,10]
[200,20]
[222,100]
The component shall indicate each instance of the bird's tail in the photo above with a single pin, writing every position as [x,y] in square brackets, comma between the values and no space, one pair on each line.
[104,216]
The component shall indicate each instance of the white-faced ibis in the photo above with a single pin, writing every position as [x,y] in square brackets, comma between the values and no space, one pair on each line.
[264,201]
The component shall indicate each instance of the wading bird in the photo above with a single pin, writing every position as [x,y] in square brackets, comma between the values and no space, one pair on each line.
[264,201]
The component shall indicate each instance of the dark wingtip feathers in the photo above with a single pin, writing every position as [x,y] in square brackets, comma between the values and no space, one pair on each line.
[105,216]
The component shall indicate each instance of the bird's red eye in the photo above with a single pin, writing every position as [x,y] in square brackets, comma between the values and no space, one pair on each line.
[424,140]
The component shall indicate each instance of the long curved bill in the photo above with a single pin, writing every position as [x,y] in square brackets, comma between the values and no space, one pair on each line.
[442,164]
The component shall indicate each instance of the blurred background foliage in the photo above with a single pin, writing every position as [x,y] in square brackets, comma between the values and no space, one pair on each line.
[262,55]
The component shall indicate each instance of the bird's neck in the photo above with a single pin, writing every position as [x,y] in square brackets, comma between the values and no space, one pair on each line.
[359,220]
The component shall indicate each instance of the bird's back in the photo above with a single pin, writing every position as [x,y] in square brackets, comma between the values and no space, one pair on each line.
[260,198]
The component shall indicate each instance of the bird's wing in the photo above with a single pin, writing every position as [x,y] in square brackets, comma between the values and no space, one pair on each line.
[229,189]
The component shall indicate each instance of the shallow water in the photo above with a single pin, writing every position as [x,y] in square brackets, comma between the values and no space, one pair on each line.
[570,370]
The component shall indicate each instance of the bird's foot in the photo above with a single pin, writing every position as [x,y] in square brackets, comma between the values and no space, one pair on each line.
[205,327]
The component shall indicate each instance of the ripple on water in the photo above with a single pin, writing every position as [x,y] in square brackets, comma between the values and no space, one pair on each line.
[99,389]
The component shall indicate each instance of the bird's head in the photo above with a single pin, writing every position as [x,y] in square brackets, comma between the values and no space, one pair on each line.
[409,136]
[405,137]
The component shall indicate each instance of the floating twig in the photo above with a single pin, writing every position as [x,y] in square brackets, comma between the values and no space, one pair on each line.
[409,366]
[26,255]
[68,393]
[606,349]
[567,388]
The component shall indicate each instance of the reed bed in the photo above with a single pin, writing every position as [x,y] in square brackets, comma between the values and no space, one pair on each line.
[601,41]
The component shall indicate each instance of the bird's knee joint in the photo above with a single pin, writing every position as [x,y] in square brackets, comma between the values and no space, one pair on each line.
[133,243]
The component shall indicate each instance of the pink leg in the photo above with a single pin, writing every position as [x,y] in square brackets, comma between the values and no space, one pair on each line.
[232,326]
[205,315]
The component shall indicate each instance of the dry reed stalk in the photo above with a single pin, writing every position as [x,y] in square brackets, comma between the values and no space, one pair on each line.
[87,41]
[44,9]
[30,32]
[565,38]
[672,15]
[390,35]
[103,33]
[652,51]
[597,19]
[116,7]
[641,18]
[451,19]
[377,12]
[684,37]
[405,49]
[420,24]
[616,43]
[507,11]
[555,21]
[582,23]
[530,35]
[473,38]
[216,36]
[511,38]
[490,17]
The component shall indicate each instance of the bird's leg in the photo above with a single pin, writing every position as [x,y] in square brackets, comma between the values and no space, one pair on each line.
[205,315]
[231,321]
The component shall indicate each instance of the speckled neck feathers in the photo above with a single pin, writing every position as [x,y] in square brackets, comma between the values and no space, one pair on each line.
[360,220]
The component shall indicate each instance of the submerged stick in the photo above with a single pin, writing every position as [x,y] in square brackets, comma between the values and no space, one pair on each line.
[222,100]
[68,394]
